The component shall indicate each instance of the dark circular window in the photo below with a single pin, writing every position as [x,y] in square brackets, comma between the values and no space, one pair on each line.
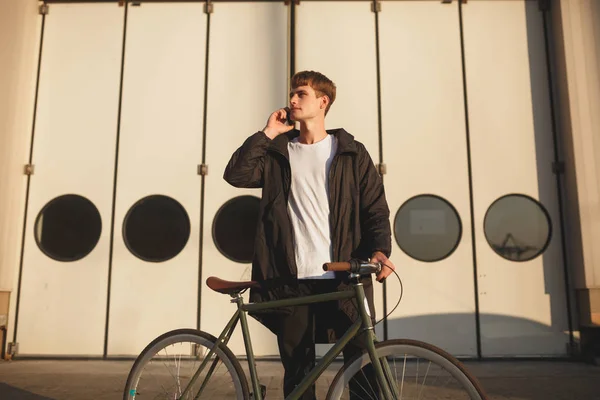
[234,228]
[517,227]
[156,228]
[68,228]
[427,228]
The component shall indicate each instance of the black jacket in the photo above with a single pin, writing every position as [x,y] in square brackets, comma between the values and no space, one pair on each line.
[359,214]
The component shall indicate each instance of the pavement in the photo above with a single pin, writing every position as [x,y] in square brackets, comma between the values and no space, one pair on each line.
[104,380]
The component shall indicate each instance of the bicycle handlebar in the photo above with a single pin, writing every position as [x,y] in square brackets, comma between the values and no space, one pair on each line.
[353,266]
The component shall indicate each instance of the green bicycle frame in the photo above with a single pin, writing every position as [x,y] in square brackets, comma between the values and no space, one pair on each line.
[363,324]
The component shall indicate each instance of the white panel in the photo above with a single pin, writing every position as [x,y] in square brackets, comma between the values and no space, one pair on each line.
[63,304]
[522,304]
[21,70]
[424,147]
[18,82]
[160,148]
[247,82]
[344,51]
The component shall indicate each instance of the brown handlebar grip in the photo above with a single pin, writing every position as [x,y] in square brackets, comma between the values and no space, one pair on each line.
[337,266]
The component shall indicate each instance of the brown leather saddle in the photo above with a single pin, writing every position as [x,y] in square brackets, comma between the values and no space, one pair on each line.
[229,287]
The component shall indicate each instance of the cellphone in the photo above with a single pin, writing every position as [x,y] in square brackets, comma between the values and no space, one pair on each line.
[288,117]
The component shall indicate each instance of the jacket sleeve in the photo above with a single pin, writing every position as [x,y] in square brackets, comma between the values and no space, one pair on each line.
[245,168]
[376,233]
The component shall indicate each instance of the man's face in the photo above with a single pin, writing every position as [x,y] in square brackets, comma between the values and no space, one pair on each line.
[305,105]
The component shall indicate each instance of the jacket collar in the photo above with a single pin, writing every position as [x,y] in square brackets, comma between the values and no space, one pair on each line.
[346,143]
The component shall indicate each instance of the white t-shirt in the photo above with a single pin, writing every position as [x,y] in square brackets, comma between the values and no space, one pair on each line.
[308,205]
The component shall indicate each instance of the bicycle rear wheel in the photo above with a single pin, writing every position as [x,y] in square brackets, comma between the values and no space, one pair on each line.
[418,370]
[165,367]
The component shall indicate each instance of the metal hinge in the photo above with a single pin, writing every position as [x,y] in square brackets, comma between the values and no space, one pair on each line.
[558,167]
[382,169]
[136,3]
[44,9]
[572,349]
[13,348]
[202,169]
[208,7]
[29,169]
[376,6]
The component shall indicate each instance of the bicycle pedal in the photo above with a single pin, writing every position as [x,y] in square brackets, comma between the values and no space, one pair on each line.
[263,391]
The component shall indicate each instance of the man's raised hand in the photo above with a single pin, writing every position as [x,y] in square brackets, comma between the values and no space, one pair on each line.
[276,124]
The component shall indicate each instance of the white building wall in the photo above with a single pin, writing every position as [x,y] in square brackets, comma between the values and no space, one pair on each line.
[505,93]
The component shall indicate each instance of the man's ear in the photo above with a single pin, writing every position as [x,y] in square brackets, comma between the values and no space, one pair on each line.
[324,101]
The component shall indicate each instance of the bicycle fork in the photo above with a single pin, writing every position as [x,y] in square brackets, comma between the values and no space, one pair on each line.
[385,378]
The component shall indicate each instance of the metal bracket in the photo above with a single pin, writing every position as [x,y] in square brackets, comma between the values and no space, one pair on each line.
[13,348]
[446,1]
[202,169]
[208,7]
[263,390]
[121,3]
[558,167]
[544,5]
[44,9]
[376,6]
[29,169]
[382,169]
[136,3]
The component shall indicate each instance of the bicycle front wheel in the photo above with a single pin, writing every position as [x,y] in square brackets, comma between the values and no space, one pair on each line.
[164,369]
[417,370]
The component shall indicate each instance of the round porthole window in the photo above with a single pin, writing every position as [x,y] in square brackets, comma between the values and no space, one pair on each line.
[427,228]
[234,228]
[156,228]
[68,228]
[517,227]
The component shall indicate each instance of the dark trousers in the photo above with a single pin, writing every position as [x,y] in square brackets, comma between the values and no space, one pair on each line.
[296,340]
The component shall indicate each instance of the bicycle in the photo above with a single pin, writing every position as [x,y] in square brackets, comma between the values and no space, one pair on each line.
[202,349]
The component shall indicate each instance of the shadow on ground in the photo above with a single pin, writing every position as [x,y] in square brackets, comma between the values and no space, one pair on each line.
[13,393]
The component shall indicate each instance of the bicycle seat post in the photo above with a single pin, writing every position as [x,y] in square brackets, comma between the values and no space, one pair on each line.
[236,297]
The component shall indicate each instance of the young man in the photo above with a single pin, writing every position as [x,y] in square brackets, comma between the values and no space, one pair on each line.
[322,201]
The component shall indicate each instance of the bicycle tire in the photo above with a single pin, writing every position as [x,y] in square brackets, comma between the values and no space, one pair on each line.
[191,335]
[408,347]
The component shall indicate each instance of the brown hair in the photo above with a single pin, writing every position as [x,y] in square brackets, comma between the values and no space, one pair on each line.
[321,84]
